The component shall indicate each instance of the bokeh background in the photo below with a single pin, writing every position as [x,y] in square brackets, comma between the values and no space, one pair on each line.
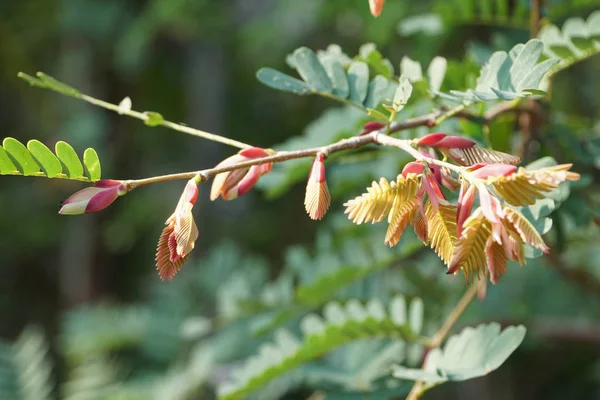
[89,283]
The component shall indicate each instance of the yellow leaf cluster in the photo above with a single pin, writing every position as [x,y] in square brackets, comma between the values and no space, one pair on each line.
[473,155]
[478,252]
[441,227]
[523,187]
[397,201]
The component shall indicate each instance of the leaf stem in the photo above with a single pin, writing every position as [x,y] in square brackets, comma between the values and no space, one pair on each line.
[167,124]
[419,387]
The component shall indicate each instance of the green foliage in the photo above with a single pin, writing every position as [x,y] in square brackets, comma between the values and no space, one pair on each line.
[492,12]
[508,75]
[25,368]
[330,75]
[472,353]
[38,160]
[340,325]
[576,41]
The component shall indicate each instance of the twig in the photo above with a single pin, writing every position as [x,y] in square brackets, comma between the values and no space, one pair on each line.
[441,334]
[535,17]
[167,124]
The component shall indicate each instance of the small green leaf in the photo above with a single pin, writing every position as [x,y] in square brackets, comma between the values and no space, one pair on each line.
[311,70]
[92,165]
[377,114]
[7,166]
[154,118]
[403,93]
[58,86]
[411,69]
[378,89]
[473,353]
[337,75]
[436,73]
[358,80]
[69,160]
[45,158]
[280,81]
[19,153]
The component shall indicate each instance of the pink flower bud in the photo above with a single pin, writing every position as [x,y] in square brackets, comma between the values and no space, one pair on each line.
[376,6]
[233,184]
[431,139]
[371,126]
[317,198]
[93,199]
[494,170]
[413,168]
[454,142]
[179,235]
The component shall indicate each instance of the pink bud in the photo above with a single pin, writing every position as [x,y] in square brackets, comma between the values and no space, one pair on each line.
[233,184]
[431,139]
[254,152]
[93,199]
[494,170]
[376,6]
[454,142]
[371,126]
[413,168]
[317,198]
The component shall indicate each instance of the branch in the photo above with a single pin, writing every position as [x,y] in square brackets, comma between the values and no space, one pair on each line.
[440,335]
[376,137]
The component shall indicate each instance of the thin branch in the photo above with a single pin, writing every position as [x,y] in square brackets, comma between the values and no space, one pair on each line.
[535,17]
[167,124]
[440,335]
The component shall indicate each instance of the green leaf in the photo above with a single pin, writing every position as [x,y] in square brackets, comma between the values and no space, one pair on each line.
[378,91]
[154,118]
[358,81]
[16,159]
[403,93]
[69,159]
[505,75]
[310,69]
[280,81]
[23,159]
[25,367]
[436,73]
[92,165]
[57,86]
[411,69]
[337,75]
[45,158]
[473,353]
[7,166]
[339,325]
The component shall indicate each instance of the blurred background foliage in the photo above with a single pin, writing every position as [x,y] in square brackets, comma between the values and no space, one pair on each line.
[83,314]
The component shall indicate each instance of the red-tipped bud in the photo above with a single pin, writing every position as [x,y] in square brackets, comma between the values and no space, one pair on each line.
[494,170]
[233,184]
[431,139]
[93,199]
[413,168]
[376,7]
[466,198]
[454,142]
[372,126]
[317,198]
[179,236]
